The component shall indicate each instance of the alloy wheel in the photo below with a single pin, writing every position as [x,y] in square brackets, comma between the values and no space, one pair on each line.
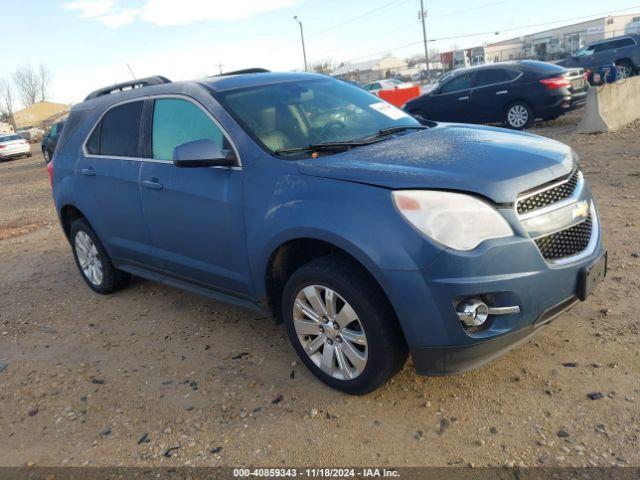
[624,71]
[45,154]
[330,332]
[518,116]
[89,258]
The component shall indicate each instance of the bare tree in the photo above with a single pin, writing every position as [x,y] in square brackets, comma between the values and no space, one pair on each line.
[27,83]
[44,80]
[6,99]
[324,66]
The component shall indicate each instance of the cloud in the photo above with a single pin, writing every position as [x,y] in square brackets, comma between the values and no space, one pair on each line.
[173,13]
[91,8]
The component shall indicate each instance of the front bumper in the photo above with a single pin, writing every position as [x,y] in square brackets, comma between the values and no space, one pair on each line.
[441,361]
[503,272]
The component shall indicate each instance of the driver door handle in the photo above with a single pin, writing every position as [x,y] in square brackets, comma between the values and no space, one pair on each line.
[502,92]
[152,184]
[466,97]
[88,171]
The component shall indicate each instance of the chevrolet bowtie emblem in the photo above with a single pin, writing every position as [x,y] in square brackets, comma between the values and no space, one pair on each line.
[581,210]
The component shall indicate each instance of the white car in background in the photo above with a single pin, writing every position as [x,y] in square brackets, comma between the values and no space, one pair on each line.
[12,146]
[386,84]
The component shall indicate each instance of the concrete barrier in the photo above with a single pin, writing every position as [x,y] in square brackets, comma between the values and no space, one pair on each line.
[611,106]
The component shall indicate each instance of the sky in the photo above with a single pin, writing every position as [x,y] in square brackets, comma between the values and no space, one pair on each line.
[88,44]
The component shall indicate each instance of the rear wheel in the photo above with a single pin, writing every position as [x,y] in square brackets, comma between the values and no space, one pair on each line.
[92,260]
[45,154]
[625,69]
[342,326]
[519,116]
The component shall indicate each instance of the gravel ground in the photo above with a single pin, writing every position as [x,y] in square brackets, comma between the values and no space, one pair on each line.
[153,376]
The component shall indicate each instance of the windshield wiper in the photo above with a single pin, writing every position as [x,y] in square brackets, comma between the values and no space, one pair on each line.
[322,147]
[347,145]
[398,129]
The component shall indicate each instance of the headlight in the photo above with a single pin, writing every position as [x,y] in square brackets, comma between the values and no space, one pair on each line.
[456,220]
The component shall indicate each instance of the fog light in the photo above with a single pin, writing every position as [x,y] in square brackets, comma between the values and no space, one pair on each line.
[473,312]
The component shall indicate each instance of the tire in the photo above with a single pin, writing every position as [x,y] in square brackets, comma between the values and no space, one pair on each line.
[98,271]
[370,319]
[518,116]
[625,69]
[45,155]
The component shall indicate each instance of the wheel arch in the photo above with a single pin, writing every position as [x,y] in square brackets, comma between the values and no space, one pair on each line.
[69,213]
[291,253]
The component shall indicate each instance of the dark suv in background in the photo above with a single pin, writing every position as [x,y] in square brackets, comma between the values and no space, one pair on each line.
[622,51]
[50,141]
[513,93]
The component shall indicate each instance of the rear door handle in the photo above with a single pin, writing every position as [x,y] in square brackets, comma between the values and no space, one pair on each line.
[464,98]
[502,92]
[152,183]
[88,171]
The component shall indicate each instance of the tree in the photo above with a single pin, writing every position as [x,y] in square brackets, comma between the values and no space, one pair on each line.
[323,66]
[6,99]
[28,84]
[44,79]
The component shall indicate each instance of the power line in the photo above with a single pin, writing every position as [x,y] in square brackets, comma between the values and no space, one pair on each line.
[370,13]
[398,47]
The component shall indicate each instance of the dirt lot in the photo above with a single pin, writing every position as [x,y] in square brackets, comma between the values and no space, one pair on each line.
[118,380]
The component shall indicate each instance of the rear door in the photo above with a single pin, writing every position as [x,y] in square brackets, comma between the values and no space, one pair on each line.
[107,184]
[195,215]
[452,101]
[493,90]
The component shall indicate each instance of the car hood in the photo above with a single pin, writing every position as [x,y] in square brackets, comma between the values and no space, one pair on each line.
[492,162]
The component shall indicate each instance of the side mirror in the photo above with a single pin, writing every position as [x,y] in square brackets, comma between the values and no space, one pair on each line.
[202,153]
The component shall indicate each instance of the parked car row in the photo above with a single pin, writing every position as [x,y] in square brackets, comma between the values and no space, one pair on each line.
[513,93]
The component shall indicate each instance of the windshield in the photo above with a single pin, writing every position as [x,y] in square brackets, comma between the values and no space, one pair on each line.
[9,137]
[298,114]
[584,52]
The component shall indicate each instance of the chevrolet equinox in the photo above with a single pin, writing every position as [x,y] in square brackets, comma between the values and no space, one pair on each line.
[368,233]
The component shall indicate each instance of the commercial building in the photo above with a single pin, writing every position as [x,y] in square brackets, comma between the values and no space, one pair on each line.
[547,45]
[370,70]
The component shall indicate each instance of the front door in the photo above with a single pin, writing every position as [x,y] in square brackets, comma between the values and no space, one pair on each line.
[195,215]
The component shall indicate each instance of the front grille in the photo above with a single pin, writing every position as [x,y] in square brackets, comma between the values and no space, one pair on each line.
[550,196]
[567,242]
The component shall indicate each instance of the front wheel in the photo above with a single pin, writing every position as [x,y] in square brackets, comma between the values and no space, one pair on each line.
[45,154]
[342,326]
[519,116]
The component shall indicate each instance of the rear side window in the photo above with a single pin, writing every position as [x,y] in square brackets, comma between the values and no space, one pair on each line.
[490,76]
[118,132]
[177,121]
[624,42]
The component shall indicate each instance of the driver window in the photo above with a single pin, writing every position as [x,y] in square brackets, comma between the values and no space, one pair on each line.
[177,121]
[460,82]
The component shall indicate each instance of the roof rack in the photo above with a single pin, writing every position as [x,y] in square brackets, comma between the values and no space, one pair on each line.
[120,87]
[244,71]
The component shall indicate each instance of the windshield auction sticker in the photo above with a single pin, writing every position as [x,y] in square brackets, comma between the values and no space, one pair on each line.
[388,110]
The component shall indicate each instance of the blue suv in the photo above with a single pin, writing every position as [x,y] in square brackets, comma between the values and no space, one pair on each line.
[368,233]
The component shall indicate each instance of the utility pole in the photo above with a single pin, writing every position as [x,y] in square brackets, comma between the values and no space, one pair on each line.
[219,65]
[423,16]
[304,51]
[131,71]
